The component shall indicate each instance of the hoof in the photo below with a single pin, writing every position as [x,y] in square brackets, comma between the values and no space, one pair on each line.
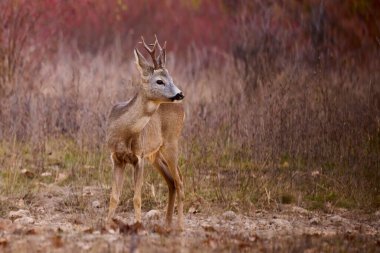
[180,228]
[110,224]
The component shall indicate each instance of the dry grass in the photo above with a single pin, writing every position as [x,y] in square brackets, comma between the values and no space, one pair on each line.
[264,126]
[267,124]
[288,134]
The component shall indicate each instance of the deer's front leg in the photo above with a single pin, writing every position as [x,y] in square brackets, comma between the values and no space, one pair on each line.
[117,185]
[138,178]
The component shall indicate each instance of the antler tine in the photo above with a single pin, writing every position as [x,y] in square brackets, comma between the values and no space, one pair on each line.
[152,52]
[158,43]
[147,47]
[163,52]
[162,55]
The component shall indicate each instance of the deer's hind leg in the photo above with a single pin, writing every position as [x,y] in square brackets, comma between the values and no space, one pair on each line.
[117,184]
[170,156]
[160,164]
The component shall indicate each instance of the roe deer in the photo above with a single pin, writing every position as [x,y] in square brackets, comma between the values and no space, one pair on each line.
[148,126]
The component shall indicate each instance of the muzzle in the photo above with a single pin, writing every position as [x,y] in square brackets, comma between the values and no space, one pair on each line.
[179,96]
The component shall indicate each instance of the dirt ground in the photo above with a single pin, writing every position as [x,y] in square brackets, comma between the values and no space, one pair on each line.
[62,220]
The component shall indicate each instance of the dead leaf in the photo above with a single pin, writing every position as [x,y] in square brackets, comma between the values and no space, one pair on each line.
[125,228]
[3,242]
[161,230]
[88,230]
[57,241]
[104,230]
[27,173]
[243,244]
[76,221]
[208,228]
[5,224]
[89,167]
[211,242]
[32,231]
[153,191]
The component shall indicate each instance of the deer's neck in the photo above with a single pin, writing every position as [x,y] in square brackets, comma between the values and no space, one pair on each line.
[141,111]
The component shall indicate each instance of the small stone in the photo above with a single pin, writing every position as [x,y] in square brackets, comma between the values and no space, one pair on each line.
[341,210]
[88,191]
[377,213]
[61,177]
[337,219]
[40,210]
[153,215]
[281,223]
[24,220]
[192,210]
[21,203]
[315,173]
[46,174]
[18,214]
[111,231]
[328,208]
[315,221]
[229,215]
[96,204]
[299,210]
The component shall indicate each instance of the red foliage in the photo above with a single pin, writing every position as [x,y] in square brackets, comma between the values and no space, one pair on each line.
[94,24]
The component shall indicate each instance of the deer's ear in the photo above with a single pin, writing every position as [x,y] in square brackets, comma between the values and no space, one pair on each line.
[142,64]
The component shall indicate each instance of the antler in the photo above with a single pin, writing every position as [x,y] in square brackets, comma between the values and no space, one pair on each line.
[162,56]
[152,52]
[160,61]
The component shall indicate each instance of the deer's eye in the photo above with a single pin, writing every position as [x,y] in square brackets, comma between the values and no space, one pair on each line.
[160,82]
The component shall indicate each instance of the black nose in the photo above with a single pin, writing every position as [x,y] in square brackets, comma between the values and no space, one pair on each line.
[179,96]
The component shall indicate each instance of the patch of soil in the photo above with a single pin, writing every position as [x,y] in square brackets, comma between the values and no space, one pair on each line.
[62,220]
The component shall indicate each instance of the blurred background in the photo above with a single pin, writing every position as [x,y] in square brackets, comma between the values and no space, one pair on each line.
[282,97]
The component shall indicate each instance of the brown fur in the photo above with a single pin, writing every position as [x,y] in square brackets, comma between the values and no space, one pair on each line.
[148,126]
[157,141]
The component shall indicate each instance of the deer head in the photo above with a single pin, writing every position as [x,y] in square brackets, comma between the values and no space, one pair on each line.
[156,84]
